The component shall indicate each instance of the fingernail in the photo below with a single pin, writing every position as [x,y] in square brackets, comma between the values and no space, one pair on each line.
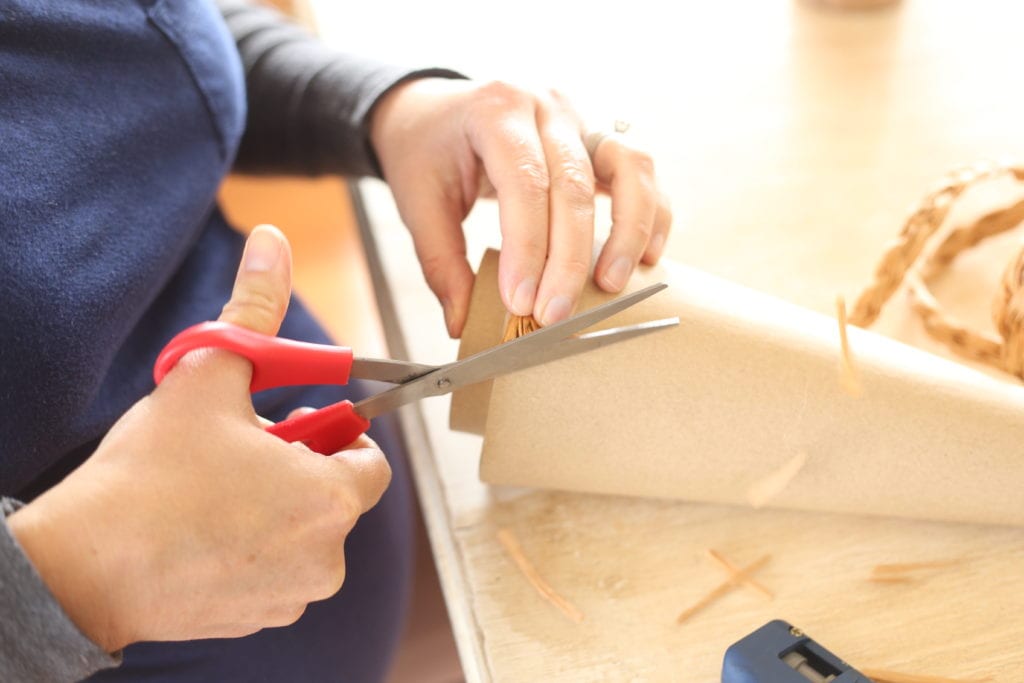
[523,296]
[617,274]
[262,250]
[656,245]
[558,308]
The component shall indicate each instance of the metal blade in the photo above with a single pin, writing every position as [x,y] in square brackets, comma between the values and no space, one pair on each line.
[393,371]
[529,350]
[596,340]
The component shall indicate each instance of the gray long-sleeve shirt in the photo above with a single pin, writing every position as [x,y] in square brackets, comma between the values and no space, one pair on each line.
[308,110]
[37,640]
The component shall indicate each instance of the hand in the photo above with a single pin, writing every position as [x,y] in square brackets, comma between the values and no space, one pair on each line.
[189,521]
[442,143]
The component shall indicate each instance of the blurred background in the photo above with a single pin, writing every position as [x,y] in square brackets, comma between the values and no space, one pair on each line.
[792,136]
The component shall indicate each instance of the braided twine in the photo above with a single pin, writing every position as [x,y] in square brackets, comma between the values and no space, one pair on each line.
[903,261]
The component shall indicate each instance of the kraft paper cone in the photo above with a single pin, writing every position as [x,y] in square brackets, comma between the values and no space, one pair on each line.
[743,401]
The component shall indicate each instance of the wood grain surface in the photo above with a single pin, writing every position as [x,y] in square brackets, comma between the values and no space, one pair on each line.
[791,139]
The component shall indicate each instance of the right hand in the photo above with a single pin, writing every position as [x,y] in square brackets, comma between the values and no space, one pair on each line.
[189,521]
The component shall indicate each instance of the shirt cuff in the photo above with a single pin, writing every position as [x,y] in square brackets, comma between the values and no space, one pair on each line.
[38,641]
[383,83]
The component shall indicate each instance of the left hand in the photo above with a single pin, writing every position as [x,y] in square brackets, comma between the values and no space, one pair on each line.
[442,143]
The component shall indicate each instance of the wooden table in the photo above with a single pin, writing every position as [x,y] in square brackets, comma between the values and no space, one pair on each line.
[792,141]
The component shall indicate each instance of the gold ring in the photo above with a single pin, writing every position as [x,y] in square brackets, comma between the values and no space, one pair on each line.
[592,140]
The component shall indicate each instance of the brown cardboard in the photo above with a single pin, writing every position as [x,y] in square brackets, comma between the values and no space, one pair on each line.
[743,385]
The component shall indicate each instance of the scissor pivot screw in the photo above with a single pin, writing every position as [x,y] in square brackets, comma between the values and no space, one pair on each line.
[795,632]
[444,383]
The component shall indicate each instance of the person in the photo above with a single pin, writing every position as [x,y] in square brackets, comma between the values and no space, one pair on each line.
[161,534]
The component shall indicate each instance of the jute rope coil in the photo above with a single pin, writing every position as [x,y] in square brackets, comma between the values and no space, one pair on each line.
[905,260]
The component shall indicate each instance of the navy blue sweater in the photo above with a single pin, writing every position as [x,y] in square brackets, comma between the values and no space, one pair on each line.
[118,121]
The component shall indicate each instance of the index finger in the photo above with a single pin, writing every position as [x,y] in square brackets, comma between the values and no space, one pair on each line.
[571,229]
[509,146]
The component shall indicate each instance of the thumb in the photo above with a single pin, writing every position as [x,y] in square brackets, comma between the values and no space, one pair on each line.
[258,302]
[263,284]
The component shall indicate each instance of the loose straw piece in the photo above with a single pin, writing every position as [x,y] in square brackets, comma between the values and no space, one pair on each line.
[882,676]
[771,485]
[890,579]
[723,588]
[849,375]
[518,325]
[508,540]
[902,572]
[904,567]
[734,570]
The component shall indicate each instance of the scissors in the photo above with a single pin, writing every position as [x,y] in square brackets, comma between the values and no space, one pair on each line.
[281,362]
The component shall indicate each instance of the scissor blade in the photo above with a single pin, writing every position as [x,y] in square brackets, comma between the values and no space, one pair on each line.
[596,340]
[526,351]
[393,371]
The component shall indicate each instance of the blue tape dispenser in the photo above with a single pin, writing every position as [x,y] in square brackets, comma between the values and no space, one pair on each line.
[781,653]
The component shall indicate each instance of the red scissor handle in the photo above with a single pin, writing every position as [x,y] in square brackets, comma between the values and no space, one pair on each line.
[280,362]
[327,430]
[276,362]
